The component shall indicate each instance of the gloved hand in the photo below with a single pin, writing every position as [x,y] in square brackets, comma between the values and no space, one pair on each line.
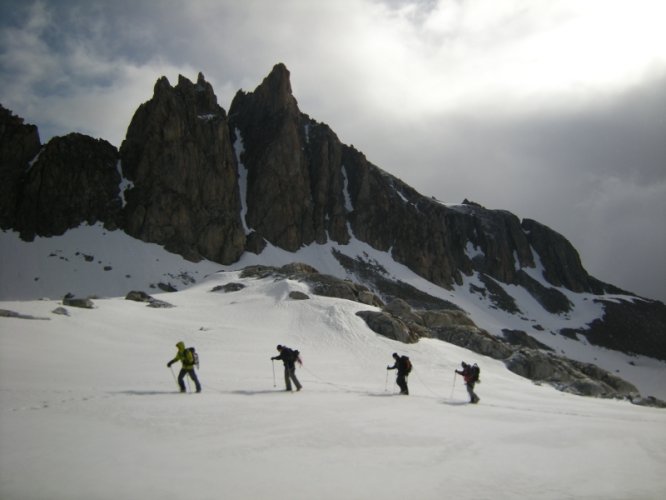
[169,364]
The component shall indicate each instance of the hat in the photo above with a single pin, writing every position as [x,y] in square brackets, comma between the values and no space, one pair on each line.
[279,347]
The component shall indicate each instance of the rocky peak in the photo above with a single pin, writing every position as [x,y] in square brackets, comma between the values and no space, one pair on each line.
[200,95]
[274,93]
[272,131]
[161,85]
[180,159]
[74,180]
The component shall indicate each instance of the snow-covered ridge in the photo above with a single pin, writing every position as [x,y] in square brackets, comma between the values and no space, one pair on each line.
[91,261]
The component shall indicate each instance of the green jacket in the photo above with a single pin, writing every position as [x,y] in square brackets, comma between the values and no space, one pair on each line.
[184,356]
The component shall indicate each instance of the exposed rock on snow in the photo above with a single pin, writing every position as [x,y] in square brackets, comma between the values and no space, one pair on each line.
[320,284]
[70,300]
[387,325]
[520,338]
[569,376]
[229,287]
[139,296]
[6,313]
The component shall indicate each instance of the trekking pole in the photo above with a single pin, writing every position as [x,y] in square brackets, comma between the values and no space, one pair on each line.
[273,363]
[386,383]
[455,374]
[174,376]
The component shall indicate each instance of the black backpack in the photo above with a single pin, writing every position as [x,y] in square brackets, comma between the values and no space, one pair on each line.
[475,371]
[407,364]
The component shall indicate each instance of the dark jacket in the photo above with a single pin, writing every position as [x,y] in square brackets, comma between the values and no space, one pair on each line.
[288,357]
[467,373]
[402,364]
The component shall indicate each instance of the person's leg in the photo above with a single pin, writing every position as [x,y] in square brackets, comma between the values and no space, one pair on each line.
[287,381]
[181,379]
[475,398]
[401,383]
[193,376]
[292,374]
[472,396]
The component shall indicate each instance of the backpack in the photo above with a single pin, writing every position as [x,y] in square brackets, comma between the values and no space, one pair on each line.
[297,357]
[192,356]
[474,372]
[407,364]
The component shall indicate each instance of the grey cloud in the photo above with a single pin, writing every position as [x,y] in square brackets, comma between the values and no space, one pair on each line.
[596,173]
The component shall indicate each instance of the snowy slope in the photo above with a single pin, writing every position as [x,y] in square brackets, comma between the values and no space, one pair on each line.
[89,410]
[91,261]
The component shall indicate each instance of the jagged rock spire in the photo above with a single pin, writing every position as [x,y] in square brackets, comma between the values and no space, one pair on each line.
[179,156]
[275,89]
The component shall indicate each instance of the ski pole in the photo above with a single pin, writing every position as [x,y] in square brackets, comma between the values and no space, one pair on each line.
[273,363]
[174,376]
[386,383]
[455,374]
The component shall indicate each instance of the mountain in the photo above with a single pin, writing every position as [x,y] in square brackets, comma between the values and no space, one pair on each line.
[237,187]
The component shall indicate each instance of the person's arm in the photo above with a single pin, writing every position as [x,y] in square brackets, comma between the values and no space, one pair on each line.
[174,360]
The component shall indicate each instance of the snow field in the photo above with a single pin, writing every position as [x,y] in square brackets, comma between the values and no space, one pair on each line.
[90,410]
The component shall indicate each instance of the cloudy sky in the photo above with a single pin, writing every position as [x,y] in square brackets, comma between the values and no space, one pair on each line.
[552,109]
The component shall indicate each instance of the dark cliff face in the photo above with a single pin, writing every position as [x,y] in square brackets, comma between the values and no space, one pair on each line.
[73,180]
[304,186]
[19,143]
[179,157]
[294,185]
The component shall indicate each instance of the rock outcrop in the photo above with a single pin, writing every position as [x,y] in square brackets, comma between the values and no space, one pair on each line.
[74,180]
[634,326]
[72,301]
[19,143]
[294,175]
[47,190]
[179,158]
